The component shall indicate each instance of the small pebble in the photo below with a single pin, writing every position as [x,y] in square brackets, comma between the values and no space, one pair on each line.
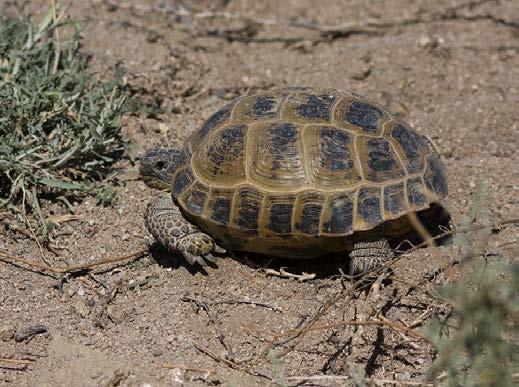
[29,332]
[81,308]
[157,352]
[152,37]
[7,333]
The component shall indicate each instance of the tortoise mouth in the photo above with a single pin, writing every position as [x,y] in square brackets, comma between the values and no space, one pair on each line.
[155,182]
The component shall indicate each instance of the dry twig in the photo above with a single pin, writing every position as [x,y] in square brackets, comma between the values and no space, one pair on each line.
[206,371]
[285,274]
[14,259]
[382,322]
[23,362]
[373,380]
[221,336]
[246,302]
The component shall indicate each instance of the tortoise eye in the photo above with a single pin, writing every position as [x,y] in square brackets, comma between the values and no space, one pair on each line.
[160,164]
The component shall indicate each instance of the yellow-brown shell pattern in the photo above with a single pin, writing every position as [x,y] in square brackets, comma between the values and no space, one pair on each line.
[296,163]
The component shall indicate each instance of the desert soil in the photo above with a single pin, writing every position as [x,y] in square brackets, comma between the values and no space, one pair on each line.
[448,67]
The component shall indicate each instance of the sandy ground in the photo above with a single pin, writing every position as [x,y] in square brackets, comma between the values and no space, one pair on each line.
[450,67]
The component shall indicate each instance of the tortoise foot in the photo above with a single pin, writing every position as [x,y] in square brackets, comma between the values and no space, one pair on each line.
[367,256]
[167,224]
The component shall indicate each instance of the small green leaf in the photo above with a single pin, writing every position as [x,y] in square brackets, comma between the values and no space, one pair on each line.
[107,195]
[54,183]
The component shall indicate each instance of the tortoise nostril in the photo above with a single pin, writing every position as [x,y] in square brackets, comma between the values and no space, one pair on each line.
[160,164]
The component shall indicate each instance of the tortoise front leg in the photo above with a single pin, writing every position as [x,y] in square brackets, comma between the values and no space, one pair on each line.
[366,256]
[167,224]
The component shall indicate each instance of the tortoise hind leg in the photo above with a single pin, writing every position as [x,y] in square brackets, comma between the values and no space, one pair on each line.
[366,256]
[167,224]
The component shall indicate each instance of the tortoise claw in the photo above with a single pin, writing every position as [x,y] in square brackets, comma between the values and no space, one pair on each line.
[219,250]
[197,259]
[211,258]
[200,261]
[190,258]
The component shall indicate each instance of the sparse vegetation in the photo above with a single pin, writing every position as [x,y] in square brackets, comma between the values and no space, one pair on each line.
[475,342]
[59,125]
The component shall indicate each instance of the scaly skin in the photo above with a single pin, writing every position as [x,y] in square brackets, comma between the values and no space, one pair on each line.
[157,166]
[164,219]
[367,256]
[166,223]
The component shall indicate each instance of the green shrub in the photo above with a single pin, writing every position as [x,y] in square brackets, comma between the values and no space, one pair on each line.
[475,343]
[59,126]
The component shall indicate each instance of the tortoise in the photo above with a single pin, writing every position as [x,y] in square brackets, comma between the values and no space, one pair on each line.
[294,173]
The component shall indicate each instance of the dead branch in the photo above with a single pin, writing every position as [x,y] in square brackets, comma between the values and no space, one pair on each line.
[221,336]
[340,377]
[430,241]
[382,322]
[227,362]
[16,361]
[14,259]
[285,274]
[206,371]
[215,357]
[245,302]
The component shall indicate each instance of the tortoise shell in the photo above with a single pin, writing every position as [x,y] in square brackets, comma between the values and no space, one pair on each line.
[299,172]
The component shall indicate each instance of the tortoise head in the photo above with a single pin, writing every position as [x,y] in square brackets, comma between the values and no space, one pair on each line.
[157,167]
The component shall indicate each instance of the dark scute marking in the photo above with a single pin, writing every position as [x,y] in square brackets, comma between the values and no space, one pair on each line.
[183,156]
[215,120]
[283,134]
[341,219]
[309,222]
[381,158]
[283,137]
[364,115]
[415,194]
[228,145]
[265,107]
[335,153]
[434,178]
[195,201]
[316,107]
[233,133]
[221,210]
[394,199]
[182,180]
[249,208]
[413,145]
[281,218]
[369,205]
[311,196]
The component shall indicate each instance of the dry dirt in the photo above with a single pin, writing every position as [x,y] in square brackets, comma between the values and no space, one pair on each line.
[450,67]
